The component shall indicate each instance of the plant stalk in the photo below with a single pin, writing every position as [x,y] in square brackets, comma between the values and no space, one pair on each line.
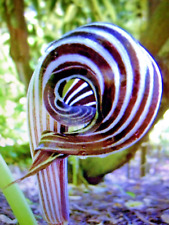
[15,197]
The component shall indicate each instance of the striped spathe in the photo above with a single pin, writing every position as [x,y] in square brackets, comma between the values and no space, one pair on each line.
[94,91]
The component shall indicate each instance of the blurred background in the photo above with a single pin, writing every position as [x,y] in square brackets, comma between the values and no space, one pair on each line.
[27,26]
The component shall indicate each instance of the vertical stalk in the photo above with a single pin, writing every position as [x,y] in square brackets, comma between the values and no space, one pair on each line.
[75,168]
[15,196]
[110,10]
[143,159]
[54,192]
[97,13]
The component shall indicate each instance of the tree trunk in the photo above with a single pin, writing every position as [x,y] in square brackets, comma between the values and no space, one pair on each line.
[154,37]
[157,31]
[19,48]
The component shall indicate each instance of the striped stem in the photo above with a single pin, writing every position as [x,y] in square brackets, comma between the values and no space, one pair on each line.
[53,192]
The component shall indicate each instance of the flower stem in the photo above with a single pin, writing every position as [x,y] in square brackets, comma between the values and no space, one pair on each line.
[15,197]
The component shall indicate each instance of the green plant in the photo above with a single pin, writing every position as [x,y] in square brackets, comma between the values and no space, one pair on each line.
[15,196]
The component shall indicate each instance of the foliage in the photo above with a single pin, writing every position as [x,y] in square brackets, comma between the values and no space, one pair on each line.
[159,135]
[12,101]
[17,154]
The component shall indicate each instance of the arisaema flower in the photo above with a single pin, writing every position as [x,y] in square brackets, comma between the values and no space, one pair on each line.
[94,91]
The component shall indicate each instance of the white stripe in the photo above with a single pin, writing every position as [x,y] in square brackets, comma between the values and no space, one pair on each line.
[43,196]
[37,104]
[72,85]
[48,193]
[90,104]
[51,123]
[145,111]
[53,189]
[31,118]
[75,92]
[86,94]
[135,108]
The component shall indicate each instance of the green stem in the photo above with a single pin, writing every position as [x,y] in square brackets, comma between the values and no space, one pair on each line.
[75,169]
[97,13]
[110,9]
[15,197]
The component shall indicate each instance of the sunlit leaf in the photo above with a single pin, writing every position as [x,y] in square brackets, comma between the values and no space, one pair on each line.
[134,204]
[51,4]
[132,194]
[36,4]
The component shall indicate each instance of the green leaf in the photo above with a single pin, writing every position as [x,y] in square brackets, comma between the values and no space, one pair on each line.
[35,4]
[52,4]
[132,194]
[48,38]
[134,204]
[70,13]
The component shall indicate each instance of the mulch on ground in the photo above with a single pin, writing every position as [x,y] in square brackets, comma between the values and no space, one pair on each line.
[118,200]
